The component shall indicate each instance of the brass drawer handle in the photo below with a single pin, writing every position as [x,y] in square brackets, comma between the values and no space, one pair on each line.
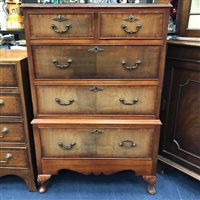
[2,102]
[123,101]
[66,148]
[55,28]
[7,157]
[58,101]
[125,28]
[4,131]
[95,50]
[131,19]
[137,63]
[95,89]
[96,132]
[127,144]
[56,63]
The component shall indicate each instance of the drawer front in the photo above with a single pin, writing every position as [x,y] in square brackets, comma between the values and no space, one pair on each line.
[96,62]
[10,104]
[13,158]
[12,132]
[131,25]
[8,75]
[61,25]
[113,143]
[101,99]
[63,61]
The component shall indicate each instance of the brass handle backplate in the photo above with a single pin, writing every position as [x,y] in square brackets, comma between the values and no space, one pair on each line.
[96,132]
[127,144]
[2,102]
[96,50]
[56,63]
[137,63]
[95,89]
[59,101]
[123,101]
[4,131]
[66,147]
[7,157]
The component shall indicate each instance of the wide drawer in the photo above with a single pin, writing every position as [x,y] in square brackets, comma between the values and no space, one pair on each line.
[103,142]
[131,25]
[61,25]
[11,132]
[8,75]
[96,62]
[10,104]
[15,158]
[100,99]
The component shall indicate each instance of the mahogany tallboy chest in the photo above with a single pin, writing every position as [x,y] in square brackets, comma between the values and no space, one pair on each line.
[96,75]
[16,142]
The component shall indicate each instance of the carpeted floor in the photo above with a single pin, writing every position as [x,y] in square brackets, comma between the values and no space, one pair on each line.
[172,185]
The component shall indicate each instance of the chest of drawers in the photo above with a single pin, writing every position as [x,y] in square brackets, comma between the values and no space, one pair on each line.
[15,116]
[96,73]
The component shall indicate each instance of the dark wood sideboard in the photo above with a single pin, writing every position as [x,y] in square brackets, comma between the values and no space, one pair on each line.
[96,76]
[180,110]
[16,141]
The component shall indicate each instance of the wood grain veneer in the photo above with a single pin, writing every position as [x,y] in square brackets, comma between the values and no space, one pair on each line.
[87,64]
[11,104]
[115,32]
[81,25]
[106,101]
[14,132]
[18,160]
[7,71]
[96,143]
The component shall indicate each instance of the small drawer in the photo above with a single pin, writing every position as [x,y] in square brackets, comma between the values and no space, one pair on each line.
[101,99]
[13,158]
[8,75]
[11,132]
[131,25]
[10,105]
[96,143]
[60,26]
[96,62]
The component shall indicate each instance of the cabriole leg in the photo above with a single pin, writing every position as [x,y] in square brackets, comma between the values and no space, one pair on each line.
[42,179]
[151,180]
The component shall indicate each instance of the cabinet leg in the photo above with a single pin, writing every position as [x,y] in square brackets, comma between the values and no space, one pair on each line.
[42,179]
[151,180]
[30,183]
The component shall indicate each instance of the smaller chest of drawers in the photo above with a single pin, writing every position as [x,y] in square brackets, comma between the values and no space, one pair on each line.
[16,144]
